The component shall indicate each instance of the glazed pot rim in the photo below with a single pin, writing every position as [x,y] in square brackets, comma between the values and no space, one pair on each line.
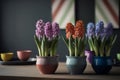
[46,56]
[7,53]
[24,50]
[101,56]
[76,56]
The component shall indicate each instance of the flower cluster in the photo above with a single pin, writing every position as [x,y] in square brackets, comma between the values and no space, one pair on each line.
[46,37]
[40,29]
[47,29]
[90,30]
[100,38]
[75,40]
[77,31]
[69,30]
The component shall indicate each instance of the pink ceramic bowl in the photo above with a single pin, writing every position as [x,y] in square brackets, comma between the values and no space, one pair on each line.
[24,55]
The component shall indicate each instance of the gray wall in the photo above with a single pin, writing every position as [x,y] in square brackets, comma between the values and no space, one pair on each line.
[17,23]
[18,18]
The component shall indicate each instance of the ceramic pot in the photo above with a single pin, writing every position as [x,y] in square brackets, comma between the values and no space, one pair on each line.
[76,65]
[47,65]
[89,55]
[102,65]
[7,56]
[23,55]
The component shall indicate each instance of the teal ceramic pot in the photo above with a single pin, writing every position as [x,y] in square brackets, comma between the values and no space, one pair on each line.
[102,65]
[76,65]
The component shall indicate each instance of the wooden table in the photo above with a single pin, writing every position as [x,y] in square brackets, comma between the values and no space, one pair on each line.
[29,72]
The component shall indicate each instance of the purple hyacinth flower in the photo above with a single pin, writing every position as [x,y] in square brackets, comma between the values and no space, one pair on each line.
[55,29]
[40,23]
[108,30]
[90,30]
[48,30]
[99,28]
[40,29]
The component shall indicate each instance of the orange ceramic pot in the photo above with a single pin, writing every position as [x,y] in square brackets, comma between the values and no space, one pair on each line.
[47,65]
[24,55]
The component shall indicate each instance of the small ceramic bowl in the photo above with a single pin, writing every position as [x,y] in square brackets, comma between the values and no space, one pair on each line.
[6,56]
[118,56]
[24,55]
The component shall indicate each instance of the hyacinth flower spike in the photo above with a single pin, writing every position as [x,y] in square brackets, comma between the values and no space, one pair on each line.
[75,40]
[102,39]
[90,34]
[108,31]
[46,37]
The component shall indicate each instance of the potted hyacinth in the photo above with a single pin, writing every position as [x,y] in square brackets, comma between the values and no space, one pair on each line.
[101,40]
[90,32]
[75,42]
[46,38]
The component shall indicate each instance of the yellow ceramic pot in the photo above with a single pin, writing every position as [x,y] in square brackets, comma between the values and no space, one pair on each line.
[6,56]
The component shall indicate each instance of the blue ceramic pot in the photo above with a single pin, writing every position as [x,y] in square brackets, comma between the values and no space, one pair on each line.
[102,65]
[76,65]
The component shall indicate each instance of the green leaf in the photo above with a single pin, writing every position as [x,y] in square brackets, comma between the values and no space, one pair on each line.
[54,46]
[69,45]
[38,43]
[96,46]
[110,43]
[76,46]
[90,42]
[102,46]
[82,46]
[43,46]
[66,41]
[114,39]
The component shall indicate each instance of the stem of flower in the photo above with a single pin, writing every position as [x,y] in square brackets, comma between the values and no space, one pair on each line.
[70,46]
[76,47]
[43,46]
[39,51]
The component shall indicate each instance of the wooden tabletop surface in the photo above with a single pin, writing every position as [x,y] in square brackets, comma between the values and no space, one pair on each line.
[30,72]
